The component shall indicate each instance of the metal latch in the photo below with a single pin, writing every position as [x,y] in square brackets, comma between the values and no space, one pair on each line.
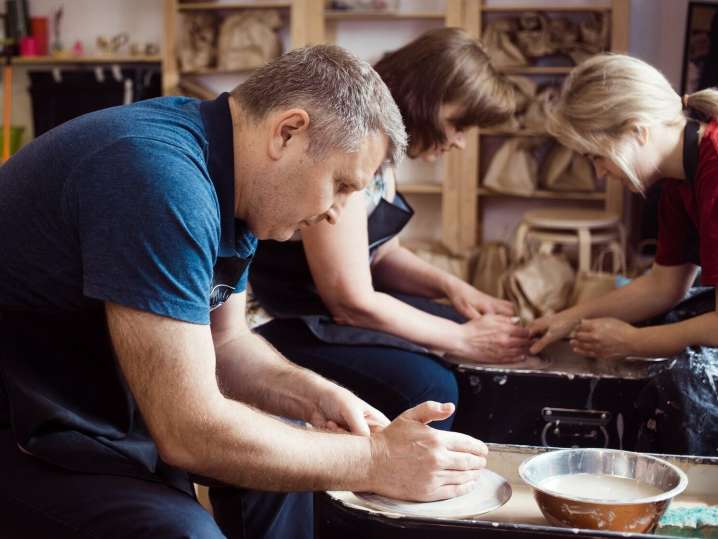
[575,427]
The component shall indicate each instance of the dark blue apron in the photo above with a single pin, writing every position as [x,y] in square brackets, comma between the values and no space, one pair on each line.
[283,285]
[680,405]
[64,397]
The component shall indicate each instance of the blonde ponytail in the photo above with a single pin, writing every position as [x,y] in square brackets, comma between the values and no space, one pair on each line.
[607,98]
[704,102]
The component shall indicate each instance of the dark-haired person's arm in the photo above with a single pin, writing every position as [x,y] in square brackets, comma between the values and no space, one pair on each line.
[338,259]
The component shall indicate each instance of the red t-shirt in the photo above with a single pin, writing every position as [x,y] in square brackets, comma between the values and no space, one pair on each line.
[688,215]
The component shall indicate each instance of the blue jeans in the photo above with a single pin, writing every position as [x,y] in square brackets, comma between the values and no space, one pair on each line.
[390,379]
[41,500]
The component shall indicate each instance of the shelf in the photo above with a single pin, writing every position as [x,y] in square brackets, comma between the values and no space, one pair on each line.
[512,133]
[357,15]
[211,6]
[537,70]
[543,194]
[215,71]
[99,59]
[419,188]
[549,7]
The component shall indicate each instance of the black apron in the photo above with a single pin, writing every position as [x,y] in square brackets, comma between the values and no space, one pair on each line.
[64,397]
[283,285]
[680,405]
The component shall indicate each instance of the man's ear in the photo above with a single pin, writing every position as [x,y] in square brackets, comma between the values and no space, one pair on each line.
[285,129]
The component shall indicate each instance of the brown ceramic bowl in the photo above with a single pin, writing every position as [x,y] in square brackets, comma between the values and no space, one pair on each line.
[634,514]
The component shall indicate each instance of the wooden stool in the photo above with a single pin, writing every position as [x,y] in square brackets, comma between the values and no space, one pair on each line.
[580,227]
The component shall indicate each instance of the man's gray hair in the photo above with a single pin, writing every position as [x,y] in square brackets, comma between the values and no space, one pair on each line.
[343,95]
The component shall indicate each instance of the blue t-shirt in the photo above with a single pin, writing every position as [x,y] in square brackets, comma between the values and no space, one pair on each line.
[133,205]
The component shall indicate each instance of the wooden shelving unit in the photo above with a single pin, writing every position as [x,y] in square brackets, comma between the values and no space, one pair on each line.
[305,22]
[547,195]
[340,15]
[419,188]
[97,59]
[611,199]
[460,190]
[547,8]
[211,6]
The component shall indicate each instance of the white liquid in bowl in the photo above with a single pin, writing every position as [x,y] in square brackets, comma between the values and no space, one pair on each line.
[599,487]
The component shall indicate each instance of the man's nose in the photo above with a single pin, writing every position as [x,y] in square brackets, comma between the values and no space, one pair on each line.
[333,213]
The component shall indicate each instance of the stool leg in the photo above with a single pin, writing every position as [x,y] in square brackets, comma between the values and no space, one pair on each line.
[546,247]
[584,249]
[520,241]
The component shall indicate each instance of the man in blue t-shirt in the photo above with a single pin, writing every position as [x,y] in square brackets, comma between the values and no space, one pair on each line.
[128,368]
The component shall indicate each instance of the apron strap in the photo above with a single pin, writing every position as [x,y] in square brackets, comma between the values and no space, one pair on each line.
[690,150]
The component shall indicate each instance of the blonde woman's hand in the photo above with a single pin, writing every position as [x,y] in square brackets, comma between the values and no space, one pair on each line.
[549,329]
[604,338]
[493,338]
[470,302]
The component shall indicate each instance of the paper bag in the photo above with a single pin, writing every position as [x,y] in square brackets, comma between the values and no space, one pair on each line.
[597,282]
[513,169]
[493,261]
[498,39]
[565,170]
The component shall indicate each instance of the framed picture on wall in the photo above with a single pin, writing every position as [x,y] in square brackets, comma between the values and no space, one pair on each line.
[700,52]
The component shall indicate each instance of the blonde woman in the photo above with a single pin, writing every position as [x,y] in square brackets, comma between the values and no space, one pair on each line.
[624,114]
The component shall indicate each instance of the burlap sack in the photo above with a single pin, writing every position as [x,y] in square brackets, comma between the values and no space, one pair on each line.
[535,116]
[249,39]
[534,37]
[524,93]
[564,33]
[513,169]
[493,261]
[597,282]
[498,37]
[541,285]
[594,36]
[565,170]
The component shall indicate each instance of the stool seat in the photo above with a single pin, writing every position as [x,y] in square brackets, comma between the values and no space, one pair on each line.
[567,237]
[573,226]
[570,218]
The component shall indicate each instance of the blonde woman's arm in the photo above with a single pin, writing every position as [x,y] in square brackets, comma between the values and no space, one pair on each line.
[649,295]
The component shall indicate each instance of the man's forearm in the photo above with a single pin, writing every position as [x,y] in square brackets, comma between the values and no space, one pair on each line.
[671,339]
[250,370]
[253,450]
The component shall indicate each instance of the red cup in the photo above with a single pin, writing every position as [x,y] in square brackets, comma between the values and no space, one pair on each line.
[39,32]
[28,46]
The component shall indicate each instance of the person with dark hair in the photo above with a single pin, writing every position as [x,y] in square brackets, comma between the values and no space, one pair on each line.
[128,369]
[352,303]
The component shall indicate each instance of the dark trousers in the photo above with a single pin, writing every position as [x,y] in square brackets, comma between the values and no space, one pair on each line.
[390,379]
[38,500]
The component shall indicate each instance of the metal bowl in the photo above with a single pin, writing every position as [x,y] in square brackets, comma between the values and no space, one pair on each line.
[639,515]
